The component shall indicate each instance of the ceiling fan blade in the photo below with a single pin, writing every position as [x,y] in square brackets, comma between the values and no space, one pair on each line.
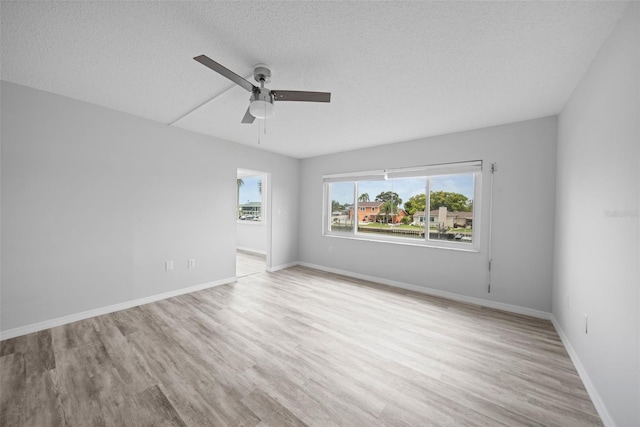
[248,118]
[221,69]
[297,95]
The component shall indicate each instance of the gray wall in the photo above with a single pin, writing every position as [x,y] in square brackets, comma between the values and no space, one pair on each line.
[596,252]
[524,200]
[94,201]
[252,236]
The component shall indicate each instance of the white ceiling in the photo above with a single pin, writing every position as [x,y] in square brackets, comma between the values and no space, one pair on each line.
[397,70]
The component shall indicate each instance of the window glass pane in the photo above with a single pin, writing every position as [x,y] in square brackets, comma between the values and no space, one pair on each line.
[386,211]
[341,209]
[451,208]
[250,198]
[410,205]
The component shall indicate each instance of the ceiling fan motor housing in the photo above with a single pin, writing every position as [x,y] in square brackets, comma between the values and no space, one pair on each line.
[262,73]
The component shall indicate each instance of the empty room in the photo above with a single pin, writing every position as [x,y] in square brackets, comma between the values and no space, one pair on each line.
[206,222]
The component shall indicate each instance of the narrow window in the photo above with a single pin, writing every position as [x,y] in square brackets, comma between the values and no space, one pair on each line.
[341,207]
[451,207]
[250,201]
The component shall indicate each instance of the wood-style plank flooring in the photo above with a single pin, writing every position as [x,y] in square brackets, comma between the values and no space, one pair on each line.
[295,347]
[248,263]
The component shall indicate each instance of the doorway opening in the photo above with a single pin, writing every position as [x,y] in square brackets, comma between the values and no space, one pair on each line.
[253,222]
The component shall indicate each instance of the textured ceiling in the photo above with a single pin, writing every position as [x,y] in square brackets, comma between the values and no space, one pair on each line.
[396,70]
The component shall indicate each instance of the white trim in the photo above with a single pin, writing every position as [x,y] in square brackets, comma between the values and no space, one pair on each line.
[451,168]
[282,266]
[606,417]
[436,292]
[253,251]
[405,241]
[59,321]
[251,222]
[268,208]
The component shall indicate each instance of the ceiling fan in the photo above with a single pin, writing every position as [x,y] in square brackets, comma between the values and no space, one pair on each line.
[262,99]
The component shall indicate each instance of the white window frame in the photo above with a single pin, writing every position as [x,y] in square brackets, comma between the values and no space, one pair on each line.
[458,168]
[246,173]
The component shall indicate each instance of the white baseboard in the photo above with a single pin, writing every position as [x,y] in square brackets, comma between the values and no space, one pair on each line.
[251,250]
[607,420]
[436,292]
[52,323]
[282,266]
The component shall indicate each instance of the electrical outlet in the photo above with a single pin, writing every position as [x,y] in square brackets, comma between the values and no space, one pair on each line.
[168,265]
[191,263]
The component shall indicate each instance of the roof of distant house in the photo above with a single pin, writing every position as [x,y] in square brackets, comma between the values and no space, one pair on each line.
[466,215]
[369,204]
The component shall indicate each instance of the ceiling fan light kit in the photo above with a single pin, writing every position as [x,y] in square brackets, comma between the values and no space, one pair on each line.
[261,105]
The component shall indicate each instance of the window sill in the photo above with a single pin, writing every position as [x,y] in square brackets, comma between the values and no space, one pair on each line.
[470,248]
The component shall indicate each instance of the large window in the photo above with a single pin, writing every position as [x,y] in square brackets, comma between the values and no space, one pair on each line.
[434,205]
[340,215]
[250,190]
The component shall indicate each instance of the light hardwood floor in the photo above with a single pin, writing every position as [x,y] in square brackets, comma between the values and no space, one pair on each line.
[248,263]
[296,347]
